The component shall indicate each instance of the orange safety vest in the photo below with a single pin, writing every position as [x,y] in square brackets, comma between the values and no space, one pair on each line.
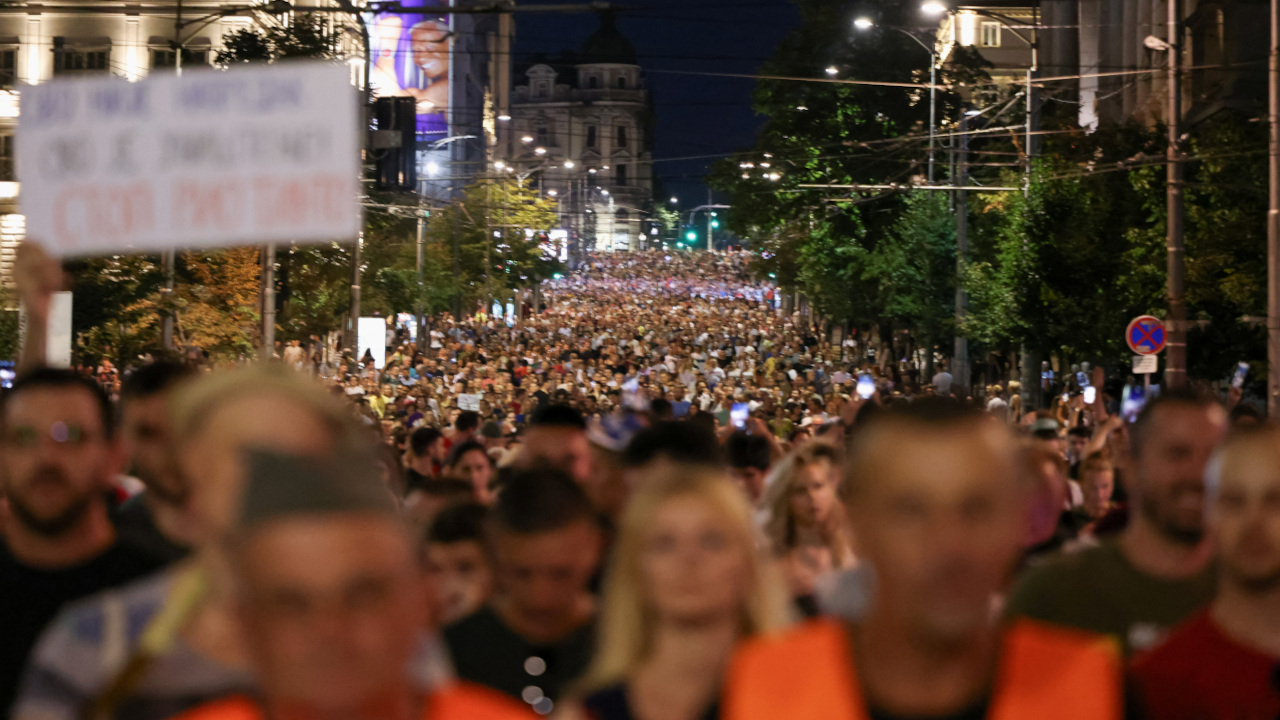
[1045,673]
[459,701]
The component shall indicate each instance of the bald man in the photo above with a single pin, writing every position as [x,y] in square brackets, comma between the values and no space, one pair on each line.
[939,512]
[1221,663]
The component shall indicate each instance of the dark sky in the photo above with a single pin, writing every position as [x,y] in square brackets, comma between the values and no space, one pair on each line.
[696,115]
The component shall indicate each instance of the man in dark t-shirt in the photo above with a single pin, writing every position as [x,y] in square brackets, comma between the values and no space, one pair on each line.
[155,519]
[534,636]
[59,451]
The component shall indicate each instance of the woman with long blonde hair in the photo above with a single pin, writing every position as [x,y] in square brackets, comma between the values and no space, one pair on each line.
[686,584]
[806,524]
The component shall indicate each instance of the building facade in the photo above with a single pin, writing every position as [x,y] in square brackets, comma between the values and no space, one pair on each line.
[582,131]
[1003,32]
[1114,46]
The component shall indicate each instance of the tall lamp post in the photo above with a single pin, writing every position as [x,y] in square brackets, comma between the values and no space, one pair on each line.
[1273,222]
[865,22]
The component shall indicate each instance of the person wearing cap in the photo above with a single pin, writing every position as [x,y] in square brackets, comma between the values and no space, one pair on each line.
[1046,436]
[1157,572]
[331,602]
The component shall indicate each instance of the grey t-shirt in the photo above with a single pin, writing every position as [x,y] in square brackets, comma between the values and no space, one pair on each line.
[89,643]
[1101,591]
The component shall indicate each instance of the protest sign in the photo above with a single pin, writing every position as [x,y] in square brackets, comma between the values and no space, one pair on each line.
[258,154]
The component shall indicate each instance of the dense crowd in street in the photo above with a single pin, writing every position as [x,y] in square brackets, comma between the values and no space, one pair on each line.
[656,495]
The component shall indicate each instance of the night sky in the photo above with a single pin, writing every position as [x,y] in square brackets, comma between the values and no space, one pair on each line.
[696,116]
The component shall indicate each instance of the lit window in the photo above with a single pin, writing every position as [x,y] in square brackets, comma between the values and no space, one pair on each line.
[990,34]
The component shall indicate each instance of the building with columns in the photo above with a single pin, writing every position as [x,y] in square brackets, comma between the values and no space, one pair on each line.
[581,129]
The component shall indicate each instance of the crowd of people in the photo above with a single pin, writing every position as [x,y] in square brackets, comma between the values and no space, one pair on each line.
[653,496]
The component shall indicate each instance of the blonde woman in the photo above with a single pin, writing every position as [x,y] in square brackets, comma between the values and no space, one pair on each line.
[1015,402]
[806,523]
[687,583]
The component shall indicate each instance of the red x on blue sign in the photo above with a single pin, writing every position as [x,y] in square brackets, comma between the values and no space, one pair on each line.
[1145,335]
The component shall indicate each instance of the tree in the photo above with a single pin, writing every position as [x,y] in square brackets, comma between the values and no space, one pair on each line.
[821,133]
[1226,278]
[501,227]
[914,268]
[115,306]
[1065,267]
[217,306]
[306,35]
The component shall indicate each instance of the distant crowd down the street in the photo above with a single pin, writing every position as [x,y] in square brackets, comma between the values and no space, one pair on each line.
[653,495]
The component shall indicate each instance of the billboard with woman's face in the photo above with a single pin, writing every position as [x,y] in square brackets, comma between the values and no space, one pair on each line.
[410,56]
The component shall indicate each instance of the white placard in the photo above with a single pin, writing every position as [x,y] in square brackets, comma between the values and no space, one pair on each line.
[371,337]
[1146,364]
[57,346]
[469,402]
[57,331]
[256,154]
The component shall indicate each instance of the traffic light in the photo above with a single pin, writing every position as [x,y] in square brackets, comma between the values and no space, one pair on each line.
[394,143]
[715,224]
[691,236]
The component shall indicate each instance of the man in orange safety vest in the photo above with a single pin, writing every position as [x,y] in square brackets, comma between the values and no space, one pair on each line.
[939,512]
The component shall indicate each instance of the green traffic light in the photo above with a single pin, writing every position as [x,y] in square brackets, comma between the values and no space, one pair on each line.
[691,235]
[715,223]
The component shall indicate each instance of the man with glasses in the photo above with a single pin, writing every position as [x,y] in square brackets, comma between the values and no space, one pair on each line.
[58,455]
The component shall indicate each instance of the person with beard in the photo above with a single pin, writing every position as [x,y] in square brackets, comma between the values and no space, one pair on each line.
[165,643]
[153,519]
[938,510]
[1157,573]
[1221,664]
[59,457]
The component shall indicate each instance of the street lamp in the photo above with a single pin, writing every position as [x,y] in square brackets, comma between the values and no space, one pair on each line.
[568,164]
[526,139]
[833,71]
[866,23]
[933,7]
[675,200]
[540,151]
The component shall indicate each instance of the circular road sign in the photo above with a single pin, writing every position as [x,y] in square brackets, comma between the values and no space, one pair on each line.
[1145,335]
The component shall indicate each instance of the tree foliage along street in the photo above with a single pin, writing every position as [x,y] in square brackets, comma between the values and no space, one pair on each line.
[1058,270]
[500,226]
[820,133]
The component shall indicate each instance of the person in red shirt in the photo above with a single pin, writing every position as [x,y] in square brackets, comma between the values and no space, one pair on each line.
[1223,663]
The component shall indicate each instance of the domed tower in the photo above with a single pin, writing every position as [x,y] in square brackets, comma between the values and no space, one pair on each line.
[583,126]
